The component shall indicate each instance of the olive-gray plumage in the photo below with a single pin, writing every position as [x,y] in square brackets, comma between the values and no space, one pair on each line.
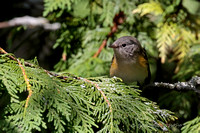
[129,61]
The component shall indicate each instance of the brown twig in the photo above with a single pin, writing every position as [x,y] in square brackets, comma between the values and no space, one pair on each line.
[24,75]
[99,89]
[2,51]
[118,19]
[100,48]
[104,97]
[27,84]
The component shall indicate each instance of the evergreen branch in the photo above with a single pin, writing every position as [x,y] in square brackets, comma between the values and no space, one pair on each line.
[27,83]
[185,39]
[192,126]
[118,19]
[55,75]
[51,5]
[96,86]
[2,51]
[100,90]
[24,74]
[105,98]
[191,85]
[150,7]
[165,36]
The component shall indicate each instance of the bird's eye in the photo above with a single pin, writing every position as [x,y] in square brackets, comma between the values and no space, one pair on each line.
[123,45]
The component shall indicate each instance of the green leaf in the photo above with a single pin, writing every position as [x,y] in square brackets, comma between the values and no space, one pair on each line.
[81,9]
[193,6]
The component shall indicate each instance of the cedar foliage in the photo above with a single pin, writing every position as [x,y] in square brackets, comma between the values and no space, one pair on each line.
[176,33]
[65,103]
[174,30]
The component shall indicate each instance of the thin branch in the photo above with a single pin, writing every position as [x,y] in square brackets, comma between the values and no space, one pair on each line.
[30,22]
[27,84]
[104,96]
[2,51]
[191,85]
[100,90]
[100,48]
[118,19]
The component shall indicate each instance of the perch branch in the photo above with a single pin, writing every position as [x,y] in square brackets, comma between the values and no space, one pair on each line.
[192,85]
[30,22]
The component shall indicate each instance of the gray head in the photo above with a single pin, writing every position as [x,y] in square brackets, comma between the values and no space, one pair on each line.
[126,48]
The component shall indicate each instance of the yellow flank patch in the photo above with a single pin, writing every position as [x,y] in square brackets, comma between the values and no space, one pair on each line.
[142,61]
[113,67]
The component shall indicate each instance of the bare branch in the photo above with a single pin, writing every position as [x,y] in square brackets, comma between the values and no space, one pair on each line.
[30,22]
[191,85]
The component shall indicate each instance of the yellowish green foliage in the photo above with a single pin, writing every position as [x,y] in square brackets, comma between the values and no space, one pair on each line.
[177,39]
[165,36]
[171,34]
[151,7]
[192,126]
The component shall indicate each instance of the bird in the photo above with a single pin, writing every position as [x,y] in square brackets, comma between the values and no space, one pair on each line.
[130,62]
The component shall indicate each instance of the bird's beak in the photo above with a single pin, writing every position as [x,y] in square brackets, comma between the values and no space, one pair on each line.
[113,45]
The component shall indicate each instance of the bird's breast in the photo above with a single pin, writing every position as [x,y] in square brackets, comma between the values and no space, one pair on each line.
[128,71]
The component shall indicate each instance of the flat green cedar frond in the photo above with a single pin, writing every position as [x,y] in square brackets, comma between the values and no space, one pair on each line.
[165,36]
[74,104]
[150,7]
[92,67]
[185,39]
[51,5]
[129,109]
[108,14]
[192,126]
[186,69]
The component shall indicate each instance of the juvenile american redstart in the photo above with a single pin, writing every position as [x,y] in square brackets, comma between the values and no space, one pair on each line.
[130,61]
